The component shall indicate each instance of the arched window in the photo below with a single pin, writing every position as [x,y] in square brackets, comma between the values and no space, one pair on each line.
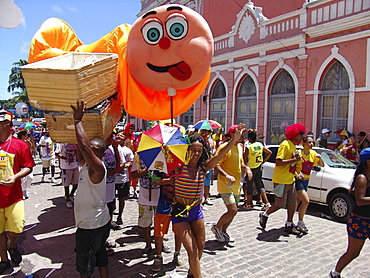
[247,103]
[334,100]
[282,107]
[218,102]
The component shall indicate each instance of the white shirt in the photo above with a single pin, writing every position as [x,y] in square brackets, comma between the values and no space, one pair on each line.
[69,152]
[91,211]
[125,155]
[46,152]
[144,191]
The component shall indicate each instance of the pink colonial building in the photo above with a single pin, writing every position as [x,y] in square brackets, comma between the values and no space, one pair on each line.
[281,62]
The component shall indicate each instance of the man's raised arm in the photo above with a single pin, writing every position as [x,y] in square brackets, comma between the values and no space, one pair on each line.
[90,150]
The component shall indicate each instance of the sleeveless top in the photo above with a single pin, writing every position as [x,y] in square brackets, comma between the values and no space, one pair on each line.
[91,211]
[363,211]
[186,187]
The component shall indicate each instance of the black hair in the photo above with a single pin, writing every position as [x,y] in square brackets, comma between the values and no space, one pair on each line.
[101,143]
[226,137]
[361,133]
[359,170]
[252,135]
[206,154]
[304,139]
[21,133]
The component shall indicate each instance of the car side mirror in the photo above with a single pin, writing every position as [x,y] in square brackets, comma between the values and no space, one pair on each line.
[317,168]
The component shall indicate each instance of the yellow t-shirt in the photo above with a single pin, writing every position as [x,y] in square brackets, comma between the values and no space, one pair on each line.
[310,157]
[281,173]
[231,163]
[255,155]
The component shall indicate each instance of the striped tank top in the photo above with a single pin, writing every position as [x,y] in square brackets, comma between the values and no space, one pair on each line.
[187,188]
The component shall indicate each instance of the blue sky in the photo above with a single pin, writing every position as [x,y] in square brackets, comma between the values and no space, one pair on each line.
[90,19]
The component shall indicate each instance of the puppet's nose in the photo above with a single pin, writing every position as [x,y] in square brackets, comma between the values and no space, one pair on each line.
[164,43]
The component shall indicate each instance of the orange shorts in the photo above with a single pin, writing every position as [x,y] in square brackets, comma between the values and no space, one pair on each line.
[162,224]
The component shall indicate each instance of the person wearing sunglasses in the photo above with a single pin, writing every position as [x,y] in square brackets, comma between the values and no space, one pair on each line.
[188,184]
[286,163]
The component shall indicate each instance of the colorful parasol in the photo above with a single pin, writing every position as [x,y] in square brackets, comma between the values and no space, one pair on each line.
[28,125]
[344,132]
[162,148]
[207,124]
[182,128]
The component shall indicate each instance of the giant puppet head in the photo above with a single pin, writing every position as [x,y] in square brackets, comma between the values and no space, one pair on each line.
[169,47]
[167,52]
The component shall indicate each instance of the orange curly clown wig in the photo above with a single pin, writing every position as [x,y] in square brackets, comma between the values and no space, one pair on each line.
[292,131]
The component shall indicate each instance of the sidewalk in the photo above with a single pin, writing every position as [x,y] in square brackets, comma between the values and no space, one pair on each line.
[48,242]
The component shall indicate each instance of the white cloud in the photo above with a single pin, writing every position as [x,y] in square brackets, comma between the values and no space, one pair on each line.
[58,9]
[25,47]
[73,9]
[24,23]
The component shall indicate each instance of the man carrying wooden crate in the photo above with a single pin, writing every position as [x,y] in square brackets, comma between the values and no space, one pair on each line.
[91,211]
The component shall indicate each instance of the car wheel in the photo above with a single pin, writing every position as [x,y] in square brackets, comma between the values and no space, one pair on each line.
[340,206]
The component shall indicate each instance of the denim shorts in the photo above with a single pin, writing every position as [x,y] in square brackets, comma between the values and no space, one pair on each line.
[195,213]
[301,184]
[208,178]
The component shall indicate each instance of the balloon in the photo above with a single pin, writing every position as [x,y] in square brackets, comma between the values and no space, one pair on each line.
[10,14]
[21,108]
[167,52]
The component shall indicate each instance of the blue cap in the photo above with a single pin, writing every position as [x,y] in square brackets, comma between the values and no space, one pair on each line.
[364,155]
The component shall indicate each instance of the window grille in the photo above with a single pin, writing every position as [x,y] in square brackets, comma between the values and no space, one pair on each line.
[281,107]
[334,100]
[247,103]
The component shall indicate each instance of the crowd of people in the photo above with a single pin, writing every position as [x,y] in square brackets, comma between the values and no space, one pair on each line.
[95,173]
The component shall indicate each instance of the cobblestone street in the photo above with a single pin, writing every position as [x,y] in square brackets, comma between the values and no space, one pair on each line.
[48,242]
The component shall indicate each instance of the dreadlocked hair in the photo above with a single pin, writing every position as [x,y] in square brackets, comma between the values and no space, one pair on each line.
[206,154]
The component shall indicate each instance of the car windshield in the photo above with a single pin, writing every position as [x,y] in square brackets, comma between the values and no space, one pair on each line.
[334,159]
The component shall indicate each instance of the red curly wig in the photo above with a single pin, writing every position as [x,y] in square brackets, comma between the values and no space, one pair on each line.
[292,131]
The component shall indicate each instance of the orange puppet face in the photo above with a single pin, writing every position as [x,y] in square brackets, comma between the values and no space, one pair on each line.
[169,47]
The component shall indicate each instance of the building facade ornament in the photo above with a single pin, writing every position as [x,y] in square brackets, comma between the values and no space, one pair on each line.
[246,28]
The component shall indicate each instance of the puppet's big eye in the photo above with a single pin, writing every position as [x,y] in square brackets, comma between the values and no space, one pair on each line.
[177,27]
[152,32]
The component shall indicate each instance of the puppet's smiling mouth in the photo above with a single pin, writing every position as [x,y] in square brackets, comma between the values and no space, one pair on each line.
[180,71]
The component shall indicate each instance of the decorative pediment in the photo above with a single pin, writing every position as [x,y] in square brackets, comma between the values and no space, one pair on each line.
[247,21]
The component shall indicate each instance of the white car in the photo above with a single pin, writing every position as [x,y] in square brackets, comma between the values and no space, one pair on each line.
[327,185]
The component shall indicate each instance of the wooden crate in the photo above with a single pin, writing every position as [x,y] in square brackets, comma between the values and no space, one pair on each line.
[98,122]
[56,83]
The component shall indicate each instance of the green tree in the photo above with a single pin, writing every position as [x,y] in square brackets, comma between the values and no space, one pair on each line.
[16,82]
[18,88]
[8,103]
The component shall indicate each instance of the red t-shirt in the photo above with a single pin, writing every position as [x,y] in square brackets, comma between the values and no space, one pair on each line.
[14,155]
[351,152]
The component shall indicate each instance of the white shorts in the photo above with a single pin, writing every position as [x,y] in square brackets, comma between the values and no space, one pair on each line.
[27,181]
[50,162]
[70,176]
[146,216]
